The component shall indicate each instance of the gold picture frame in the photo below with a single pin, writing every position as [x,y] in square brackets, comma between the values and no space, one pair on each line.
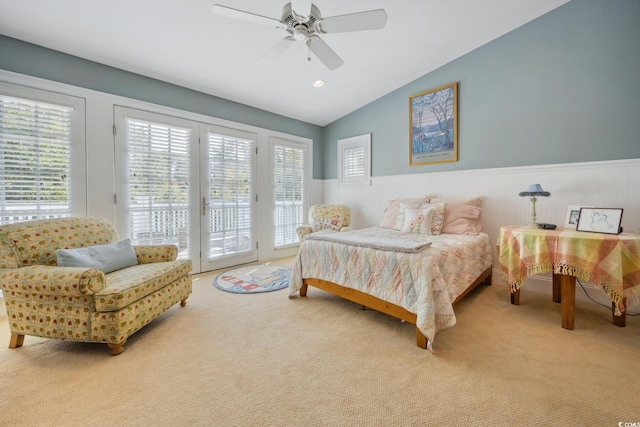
[433,126]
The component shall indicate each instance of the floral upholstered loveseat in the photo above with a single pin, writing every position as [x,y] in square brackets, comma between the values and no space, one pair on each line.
[326,217]
[79,303]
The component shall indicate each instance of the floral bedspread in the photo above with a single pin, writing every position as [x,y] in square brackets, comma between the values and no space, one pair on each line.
[424,283]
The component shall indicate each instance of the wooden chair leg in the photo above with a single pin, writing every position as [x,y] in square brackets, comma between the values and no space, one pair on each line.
[183,302]
[116,349]
[16,340]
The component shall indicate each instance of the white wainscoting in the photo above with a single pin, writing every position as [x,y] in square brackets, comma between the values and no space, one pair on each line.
[602,184]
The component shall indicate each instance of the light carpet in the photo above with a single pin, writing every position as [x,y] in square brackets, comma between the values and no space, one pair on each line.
[321,361]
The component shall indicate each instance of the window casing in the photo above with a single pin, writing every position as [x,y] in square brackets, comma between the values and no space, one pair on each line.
[290,169]
[354,160]
[42,155]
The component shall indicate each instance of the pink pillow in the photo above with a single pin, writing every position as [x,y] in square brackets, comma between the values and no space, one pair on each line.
[471,202]
[390,217]
[461,216]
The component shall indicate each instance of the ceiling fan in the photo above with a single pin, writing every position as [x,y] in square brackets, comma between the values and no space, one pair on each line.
[308,28]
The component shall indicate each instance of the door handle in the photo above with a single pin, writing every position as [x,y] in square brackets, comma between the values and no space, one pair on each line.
[204,206]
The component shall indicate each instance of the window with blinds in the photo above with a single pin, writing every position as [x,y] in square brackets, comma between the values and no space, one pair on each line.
[354,160]
[35,159]
[158,187]
[231,194]
[289,168]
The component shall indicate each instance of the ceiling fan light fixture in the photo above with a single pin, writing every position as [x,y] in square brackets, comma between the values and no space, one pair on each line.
[300,32]
[308,27]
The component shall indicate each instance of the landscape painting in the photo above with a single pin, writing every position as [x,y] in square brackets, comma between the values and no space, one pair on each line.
[433,126]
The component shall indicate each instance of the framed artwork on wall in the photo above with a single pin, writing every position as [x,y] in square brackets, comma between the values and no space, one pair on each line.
[433,126]
[600,220]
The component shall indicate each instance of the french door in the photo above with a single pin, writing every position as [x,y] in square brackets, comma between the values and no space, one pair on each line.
[228,197]
[186,183]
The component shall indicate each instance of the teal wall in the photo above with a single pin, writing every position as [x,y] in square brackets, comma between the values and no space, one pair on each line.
[563,88]
[37,61]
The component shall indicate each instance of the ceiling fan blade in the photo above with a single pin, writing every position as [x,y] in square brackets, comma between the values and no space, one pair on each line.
[324,53]
[301,7]
[277,50]
[360,21]
[245,16]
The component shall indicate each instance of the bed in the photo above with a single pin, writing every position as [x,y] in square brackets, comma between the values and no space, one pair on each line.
[414,277]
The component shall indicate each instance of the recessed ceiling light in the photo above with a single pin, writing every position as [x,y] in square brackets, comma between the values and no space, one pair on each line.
[318,83]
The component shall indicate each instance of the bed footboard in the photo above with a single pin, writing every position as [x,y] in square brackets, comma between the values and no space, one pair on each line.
[377,304]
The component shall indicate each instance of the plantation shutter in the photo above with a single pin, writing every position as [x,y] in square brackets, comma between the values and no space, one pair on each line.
[354,160]
[35,160]
[289,173]
[231,193]
[158,175]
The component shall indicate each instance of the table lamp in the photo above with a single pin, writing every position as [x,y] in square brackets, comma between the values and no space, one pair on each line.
[533,192]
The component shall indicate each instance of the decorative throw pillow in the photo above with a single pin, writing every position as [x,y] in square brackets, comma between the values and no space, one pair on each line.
[417,221]
[106,258]
[401,212]
[438,217]
[390,217]
[334,224]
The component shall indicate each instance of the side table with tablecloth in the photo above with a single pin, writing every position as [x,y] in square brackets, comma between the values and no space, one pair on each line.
[611,262]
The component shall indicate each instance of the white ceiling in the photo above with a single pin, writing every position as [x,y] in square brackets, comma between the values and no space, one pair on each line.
[183,42]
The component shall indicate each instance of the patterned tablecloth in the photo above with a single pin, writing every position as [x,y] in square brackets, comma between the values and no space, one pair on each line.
[610,262]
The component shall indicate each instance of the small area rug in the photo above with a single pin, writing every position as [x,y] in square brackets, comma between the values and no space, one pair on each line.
[253,279]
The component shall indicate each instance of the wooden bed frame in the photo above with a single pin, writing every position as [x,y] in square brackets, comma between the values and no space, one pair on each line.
[375,303]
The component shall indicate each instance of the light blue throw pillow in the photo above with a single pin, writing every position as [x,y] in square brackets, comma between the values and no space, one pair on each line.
[106,258]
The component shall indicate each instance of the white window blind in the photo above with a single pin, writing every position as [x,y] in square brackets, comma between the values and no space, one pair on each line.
[158,175]
[354,160]
[289,170]
[35,159]
[231,194]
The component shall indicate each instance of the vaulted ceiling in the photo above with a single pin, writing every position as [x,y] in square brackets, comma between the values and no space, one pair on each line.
[185,43]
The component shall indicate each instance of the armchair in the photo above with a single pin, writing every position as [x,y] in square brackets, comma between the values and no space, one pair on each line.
[326,217]
[78,303]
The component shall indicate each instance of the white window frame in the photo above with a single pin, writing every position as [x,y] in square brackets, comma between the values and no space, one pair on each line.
[290,248]
[347,176]
[78,169]
[121,149]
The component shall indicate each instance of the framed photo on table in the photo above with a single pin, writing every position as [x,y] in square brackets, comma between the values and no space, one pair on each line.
[600,220]
[573,213]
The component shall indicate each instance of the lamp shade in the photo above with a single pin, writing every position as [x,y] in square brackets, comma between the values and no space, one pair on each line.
[534,190]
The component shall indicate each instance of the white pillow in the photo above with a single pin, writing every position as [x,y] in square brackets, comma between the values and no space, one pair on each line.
[106,258]
[402,209]
[417,221]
